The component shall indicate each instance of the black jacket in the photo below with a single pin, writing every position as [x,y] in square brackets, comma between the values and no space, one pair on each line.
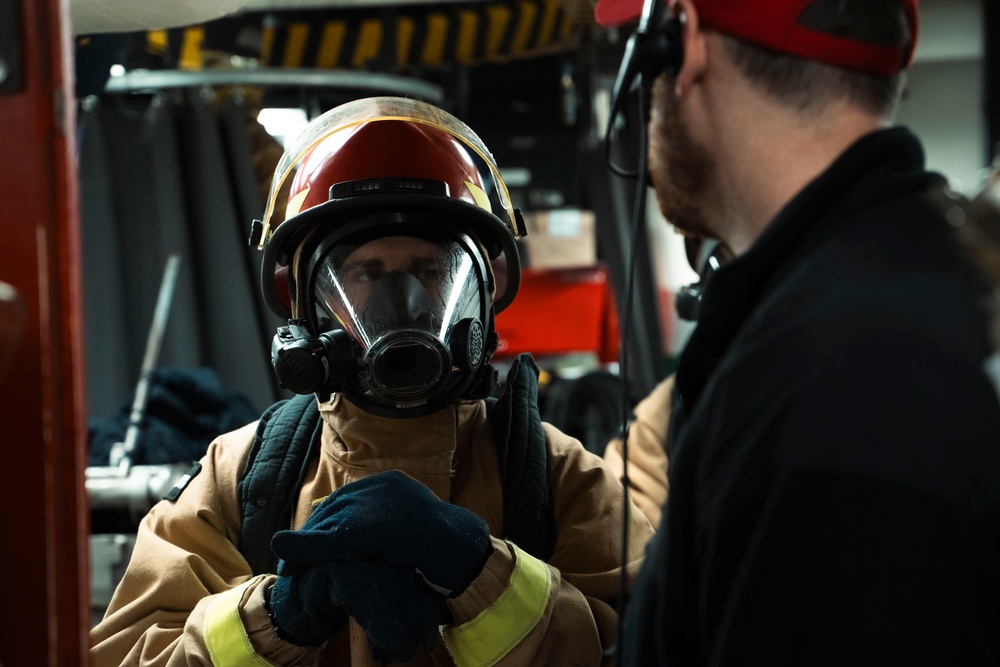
[835,459]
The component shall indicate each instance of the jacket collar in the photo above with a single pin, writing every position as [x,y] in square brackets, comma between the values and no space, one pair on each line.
[423,447]
[878,167]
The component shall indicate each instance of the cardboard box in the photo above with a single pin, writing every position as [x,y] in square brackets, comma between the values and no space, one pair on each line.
[560,239]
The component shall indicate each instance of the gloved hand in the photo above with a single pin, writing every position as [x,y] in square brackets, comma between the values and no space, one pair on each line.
[310,603]
[392,517]
[303,608]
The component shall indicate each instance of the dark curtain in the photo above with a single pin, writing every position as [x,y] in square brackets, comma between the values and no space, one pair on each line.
[162,173]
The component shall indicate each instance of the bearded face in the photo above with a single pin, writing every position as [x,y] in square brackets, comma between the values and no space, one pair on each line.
[681,168]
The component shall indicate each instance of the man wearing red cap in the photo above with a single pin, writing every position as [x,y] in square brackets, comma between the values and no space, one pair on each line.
[835,445]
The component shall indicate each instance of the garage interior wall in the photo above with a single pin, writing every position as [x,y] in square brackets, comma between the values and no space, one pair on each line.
[945,101]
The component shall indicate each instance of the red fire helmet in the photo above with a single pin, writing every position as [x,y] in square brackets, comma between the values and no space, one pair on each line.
[387,154]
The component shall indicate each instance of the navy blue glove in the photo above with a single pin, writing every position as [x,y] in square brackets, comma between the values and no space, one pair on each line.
[303,606]
[310,603]
[392,517]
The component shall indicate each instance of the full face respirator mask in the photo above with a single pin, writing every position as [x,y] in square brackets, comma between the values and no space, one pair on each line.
[396,316]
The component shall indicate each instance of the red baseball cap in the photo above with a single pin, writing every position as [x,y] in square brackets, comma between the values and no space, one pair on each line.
[774,24]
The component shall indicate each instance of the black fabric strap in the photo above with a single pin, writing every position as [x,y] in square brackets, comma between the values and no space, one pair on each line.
[274,470]
[527,506]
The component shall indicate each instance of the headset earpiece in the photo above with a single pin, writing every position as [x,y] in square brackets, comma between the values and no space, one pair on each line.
[655,47]
[705,256]
[659,38]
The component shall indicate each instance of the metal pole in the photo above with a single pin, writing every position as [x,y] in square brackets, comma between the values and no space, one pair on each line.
[120,456]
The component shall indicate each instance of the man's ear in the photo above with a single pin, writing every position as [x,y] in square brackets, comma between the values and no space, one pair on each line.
[695,48]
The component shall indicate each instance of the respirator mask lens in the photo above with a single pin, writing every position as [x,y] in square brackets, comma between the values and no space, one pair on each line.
[401,298]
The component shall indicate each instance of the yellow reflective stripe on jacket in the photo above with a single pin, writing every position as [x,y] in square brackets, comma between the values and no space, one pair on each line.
[488,637]
[225,636]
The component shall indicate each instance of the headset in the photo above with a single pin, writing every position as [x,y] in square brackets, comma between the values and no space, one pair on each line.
[654,48]
[706,257]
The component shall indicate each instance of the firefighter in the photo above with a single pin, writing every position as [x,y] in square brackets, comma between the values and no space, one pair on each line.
[434,519]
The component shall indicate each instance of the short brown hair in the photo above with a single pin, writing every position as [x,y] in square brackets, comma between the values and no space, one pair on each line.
[808,84]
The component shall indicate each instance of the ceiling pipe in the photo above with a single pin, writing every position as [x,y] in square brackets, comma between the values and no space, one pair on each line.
[104,16]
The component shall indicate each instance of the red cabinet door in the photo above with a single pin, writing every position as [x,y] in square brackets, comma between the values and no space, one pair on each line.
[43,522]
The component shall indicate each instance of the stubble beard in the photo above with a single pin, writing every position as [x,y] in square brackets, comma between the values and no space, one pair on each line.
[681,168]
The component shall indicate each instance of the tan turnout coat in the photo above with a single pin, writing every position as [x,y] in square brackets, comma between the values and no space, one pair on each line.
[186,555]
[647,452]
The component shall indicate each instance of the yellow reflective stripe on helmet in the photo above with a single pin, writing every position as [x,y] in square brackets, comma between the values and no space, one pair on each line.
[295,203]
[488,637]
[482,199]
[225,636]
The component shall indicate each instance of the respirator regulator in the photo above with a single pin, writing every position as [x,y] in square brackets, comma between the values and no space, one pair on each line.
[397,317]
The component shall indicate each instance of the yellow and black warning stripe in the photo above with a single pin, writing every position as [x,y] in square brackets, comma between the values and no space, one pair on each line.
[384,38]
